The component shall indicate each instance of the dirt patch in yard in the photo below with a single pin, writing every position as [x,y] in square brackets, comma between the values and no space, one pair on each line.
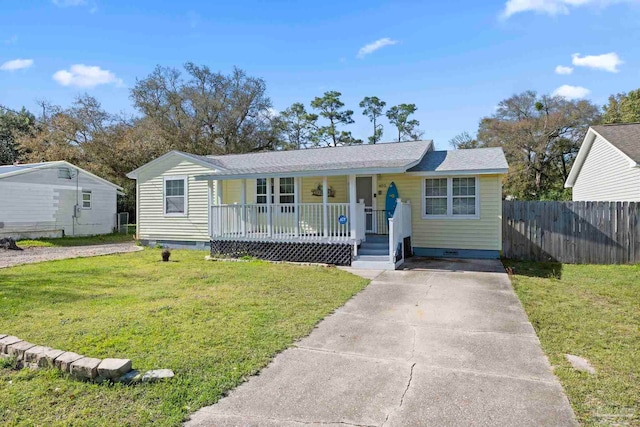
[39,254]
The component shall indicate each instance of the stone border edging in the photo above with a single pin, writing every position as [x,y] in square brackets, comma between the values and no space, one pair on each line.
[78,366]
[304,264]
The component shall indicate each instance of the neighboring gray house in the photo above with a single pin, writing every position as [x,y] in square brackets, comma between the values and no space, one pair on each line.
[54,199]
[607,167]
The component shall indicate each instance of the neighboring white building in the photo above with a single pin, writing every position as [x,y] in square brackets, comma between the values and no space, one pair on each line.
[54,199]
[607,167]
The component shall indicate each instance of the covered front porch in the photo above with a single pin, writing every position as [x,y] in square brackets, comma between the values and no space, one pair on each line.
[277,217]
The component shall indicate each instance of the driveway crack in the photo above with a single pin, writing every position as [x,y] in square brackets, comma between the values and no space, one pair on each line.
[404,393]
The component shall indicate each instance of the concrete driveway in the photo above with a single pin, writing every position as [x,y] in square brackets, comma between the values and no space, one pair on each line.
[441,343]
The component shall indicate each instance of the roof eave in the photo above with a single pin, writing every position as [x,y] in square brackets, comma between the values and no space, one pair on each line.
[48,165]
[308,173]
[136,172]
[494,171]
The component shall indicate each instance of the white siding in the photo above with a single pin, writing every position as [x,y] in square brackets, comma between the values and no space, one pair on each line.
[39,201]
[152,223]
[607,175]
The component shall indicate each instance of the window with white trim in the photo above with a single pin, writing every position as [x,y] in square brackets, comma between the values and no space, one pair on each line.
[285,194]
[436,196]
[452,197]
[175,196]
[86,199]
[261,191]
[287,190]
[463,196]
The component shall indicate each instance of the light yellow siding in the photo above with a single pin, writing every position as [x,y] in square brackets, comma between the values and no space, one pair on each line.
[152,223]
[340,184]
[607,175]
[482,233]
[231,190]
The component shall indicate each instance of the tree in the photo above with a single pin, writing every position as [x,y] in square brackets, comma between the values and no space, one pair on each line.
[464,141]
[207,112]
[372,108]
[623,108]
[540,136]
[330,107]
[299,127]
[13,125]
[399,117]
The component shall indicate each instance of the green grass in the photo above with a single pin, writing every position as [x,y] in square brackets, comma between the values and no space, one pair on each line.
[213,323]
[591,311]
[77,241]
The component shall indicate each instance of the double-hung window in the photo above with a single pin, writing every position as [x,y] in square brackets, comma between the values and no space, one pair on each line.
[283,194]
[175,196]
[454,197]
[86,199]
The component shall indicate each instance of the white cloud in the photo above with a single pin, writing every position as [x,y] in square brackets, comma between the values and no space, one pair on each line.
[553,7]
[561,69]
[69,3]
[81,75]
[608,61]
[372,47]
[571,92]
[16,64]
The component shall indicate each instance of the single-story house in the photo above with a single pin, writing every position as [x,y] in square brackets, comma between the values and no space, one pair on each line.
[607,167]
[363,205]
[55,199]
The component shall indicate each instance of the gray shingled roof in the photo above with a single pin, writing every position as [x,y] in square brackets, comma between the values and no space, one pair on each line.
[624,136]
[462,160]
[13,168]
[378,156]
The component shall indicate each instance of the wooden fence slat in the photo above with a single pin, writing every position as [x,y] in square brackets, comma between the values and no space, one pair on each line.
[572,232]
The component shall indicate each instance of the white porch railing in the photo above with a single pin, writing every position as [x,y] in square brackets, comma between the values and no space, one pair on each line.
[399,228]
[302,221]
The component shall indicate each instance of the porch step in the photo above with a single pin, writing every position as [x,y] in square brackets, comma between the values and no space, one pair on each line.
[370,245]
[373,262]
[377,238]
[376,258]
[373,251]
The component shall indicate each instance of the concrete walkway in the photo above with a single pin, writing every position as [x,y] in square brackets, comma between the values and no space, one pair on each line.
[443,343]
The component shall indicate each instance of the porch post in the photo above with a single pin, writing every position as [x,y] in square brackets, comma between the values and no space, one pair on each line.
[296,201]
[219,199]
[353,220]
[269,229]
[325,207]
[243,212]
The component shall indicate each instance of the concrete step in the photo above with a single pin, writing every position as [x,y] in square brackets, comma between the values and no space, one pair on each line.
[373,262]
[379,245]
[373,251]
[377,238]
[375,258]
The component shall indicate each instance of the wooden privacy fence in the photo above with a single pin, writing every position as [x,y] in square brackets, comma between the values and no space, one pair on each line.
[572,232]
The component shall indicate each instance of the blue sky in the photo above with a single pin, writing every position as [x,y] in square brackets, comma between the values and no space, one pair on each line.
[455,60]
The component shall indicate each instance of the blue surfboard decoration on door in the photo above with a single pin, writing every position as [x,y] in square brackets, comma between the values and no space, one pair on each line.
[392,199]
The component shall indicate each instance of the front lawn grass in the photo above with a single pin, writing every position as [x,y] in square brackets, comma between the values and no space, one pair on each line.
[213,323]
[592,311]
[76,241]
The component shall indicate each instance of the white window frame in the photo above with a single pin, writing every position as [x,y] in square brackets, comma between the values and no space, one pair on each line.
[450,214]
[275,191]
[90,200]
[186,195]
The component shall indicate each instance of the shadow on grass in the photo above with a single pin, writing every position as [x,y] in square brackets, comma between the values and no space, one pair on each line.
[544,270]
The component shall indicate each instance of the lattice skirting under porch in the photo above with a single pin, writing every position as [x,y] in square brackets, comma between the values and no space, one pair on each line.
[328,253]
